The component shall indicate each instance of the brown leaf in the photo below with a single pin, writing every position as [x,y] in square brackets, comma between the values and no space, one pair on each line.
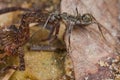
[88,48]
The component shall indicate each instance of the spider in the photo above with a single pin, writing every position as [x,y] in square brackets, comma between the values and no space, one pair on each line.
[70,21]
[12,38]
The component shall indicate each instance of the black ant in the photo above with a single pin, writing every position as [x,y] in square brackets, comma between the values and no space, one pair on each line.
[70,21]
[12,38]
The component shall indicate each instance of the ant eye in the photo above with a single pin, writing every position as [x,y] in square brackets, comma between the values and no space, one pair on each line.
[86,18]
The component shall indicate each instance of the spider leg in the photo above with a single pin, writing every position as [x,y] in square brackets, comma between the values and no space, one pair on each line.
[46,48]
[2,61]
[22,63]
[7,68]
[21,58]
[11,9]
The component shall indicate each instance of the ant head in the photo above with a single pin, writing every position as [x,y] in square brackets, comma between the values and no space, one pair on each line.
[86,19]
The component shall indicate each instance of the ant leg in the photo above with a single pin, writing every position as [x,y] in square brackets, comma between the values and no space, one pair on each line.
[57,27]
[21,57]
[52,22]
[68,32]
[65,32]
[49,17]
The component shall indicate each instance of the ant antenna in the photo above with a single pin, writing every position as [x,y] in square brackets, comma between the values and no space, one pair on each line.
[99,27]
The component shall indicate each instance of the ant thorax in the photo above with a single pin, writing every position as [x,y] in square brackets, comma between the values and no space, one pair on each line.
[67,18]
[85,19]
